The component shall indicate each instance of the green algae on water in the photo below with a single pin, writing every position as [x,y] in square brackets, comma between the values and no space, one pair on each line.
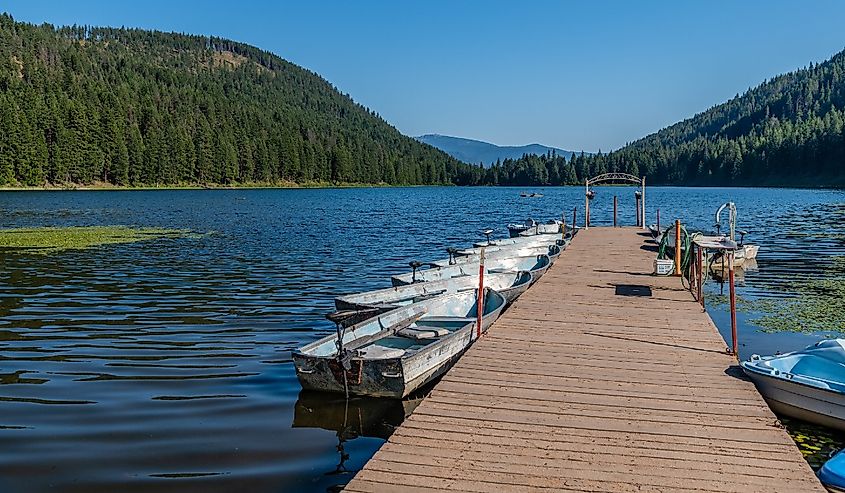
[818,305]
[810,305]
[816,443]
[47,240]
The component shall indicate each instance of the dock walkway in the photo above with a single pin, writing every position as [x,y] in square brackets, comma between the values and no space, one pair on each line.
[599,378]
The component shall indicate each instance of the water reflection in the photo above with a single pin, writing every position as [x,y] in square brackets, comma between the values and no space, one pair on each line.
[718,271]
[350,419]
[353,418]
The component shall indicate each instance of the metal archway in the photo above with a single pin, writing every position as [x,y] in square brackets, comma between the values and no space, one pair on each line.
[610,177]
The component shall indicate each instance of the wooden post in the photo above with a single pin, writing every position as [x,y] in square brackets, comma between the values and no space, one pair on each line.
[658,219]
[693,270]
[480,302]
[642,205]
[700,277]
[732,289]
[614,211]
[574,218]
[678,247]
[691,275]
[586,204]
[637,199]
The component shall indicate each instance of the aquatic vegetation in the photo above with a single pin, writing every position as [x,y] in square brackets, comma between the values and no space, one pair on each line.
[745,305]
[818,304]
[811,305]
[816,443]
[48,240]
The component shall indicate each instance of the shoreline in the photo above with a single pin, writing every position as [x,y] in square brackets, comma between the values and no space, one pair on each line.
[102,187]
[246,186]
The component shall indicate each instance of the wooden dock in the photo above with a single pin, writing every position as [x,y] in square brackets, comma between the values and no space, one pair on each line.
[600,378]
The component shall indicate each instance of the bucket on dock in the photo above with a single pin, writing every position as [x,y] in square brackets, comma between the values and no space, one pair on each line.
[663,267]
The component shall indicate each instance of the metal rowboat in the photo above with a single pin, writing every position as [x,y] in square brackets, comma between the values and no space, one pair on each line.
[394,353]
[535,264]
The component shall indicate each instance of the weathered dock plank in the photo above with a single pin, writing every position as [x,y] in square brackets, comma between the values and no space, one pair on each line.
[582,386]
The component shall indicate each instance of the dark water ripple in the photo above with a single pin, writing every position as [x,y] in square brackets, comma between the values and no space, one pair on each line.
[165,366]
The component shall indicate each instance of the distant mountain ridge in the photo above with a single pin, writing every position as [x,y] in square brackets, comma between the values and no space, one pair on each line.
[477,151]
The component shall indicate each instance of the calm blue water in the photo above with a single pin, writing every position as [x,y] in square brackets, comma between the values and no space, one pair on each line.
[165,365]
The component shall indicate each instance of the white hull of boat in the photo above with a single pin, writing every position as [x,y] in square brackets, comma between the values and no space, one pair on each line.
[541,229]
[536,265]
[532,228]
[502,252]
[521,241]
[508,284]
[801,401]
[745,255]
[748,252]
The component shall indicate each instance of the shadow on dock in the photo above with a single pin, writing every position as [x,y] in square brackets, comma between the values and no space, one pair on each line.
[654,343]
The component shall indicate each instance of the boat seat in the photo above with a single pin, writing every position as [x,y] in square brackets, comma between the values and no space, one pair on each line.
[422,332]
[374,351]
[446,318]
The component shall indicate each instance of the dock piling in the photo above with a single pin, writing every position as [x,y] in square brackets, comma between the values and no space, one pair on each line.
[479,307]
[678,248]
[637,200]
[614,211]
[732,290]
[700,262]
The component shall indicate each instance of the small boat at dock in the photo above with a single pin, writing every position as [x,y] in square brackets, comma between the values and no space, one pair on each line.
[515,228]
[808,384]
[530,227]
[523,241]
[548,228]
[744,252]
[513,250]
[394,353]
[504,251]
[535,264]
[742,255]
[832,473]
[508,284]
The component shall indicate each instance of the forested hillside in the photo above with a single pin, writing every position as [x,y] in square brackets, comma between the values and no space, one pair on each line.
[80,105]
[789,130]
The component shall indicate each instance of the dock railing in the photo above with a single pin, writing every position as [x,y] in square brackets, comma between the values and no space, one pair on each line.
[697,275]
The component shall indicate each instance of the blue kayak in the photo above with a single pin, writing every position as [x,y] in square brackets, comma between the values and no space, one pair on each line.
[832,473]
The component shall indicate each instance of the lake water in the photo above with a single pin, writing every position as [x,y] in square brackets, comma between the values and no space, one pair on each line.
[165,365]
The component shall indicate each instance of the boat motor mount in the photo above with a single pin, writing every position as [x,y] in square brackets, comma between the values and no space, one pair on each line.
[414,264]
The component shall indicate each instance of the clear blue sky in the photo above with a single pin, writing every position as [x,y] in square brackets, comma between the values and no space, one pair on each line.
[589,75]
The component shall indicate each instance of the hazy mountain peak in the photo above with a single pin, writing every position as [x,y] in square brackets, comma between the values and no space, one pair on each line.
[477,151]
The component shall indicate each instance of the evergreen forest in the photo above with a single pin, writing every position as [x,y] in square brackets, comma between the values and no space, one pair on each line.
[130,107]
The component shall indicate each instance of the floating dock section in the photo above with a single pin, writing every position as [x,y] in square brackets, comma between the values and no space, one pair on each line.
[600,378]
